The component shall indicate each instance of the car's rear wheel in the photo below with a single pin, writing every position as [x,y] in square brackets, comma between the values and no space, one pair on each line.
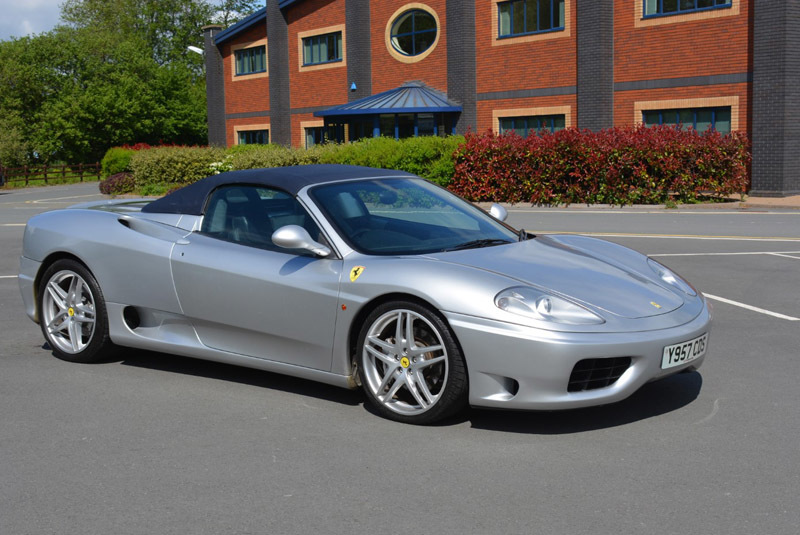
[411,367]
[72,313]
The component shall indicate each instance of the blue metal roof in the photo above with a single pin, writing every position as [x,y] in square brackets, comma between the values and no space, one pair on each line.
[246,23]
[411,97]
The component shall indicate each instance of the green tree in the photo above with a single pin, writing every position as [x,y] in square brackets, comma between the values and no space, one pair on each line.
[115,73]
[229,12]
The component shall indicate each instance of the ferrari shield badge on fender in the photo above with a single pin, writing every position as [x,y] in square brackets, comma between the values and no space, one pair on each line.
[356,272]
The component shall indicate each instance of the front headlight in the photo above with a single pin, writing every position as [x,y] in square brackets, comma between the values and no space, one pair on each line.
[671,278]
[533,303]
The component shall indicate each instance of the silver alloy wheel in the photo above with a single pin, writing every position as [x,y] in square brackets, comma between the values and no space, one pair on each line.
[405,362]
[68,312]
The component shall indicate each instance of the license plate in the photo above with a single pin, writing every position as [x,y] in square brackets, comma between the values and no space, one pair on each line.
[678,354]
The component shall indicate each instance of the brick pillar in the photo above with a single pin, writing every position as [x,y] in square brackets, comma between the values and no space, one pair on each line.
[462,85]
[278,59]
[359,48]
[776,99]
[595,34]
[215,88]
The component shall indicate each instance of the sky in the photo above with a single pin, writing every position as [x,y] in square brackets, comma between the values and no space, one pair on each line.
[19,18]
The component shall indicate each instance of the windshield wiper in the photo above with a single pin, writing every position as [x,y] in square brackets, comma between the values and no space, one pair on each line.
[475,244]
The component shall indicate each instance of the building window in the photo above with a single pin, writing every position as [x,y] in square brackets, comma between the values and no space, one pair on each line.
[524,17]
[534,123]
[701,119]
[251,60]
[253,137]
[413,32]
[673,7]
[325,48]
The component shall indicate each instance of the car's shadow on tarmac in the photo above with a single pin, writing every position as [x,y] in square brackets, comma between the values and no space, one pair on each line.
[652,400]
[235,374]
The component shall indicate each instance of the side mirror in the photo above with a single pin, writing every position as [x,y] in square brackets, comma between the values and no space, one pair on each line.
[498,212]
[296,237]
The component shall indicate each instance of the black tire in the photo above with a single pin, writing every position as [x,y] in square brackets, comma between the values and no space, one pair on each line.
[387,367]
[73,319]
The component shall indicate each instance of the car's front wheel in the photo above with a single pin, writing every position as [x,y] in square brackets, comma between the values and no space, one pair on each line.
[411,367]
[72,313]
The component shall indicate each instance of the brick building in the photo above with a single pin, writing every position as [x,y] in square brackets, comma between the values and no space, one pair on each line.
[300,71]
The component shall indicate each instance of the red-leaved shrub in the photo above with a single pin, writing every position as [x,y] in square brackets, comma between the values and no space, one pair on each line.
[117,184]
[622,165]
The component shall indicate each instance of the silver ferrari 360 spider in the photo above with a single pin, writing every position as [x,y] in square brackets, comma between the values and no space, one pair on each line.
[355,276]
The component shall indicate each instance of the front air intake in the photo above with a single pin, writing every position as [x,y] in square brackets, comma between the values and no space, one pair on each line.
[591,374]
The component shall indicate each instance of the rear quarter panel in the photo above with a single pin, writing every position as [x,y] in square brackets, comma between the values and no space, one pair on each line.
[132,268]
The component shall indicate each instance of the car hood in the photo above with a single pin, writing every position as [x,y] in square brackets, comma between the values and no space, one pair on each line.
[581,273]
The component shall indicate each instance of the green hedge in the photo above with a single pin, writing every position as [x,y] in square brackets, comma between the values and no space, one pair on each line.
[160,169]
[116,160]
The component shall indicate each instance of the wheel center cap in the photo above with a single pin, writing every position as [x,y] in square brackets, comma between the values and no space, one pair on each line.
[404,362]
[71,311]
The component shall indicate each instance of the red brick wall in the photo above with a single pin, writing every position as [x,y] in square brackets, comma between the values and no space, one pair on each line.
[696,47]
[326,87]
[388,72]
[547,62]
[716,42]
[244,94]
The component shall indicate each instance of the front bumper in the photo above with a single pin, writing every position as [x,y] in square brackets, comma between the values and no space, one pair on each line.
[517,367]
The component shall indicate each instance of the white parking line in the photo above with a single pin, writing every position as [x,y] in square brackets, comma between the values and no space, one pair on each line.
[751,308]
[12,224]
[8,276]
[784,255]
[62,199]
[776,253]
[672,236]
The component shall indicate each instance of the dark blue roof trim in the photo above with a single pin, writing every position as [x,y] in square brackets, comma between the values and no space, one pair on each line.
[192,198]
[286,3]
[413,97]
[244,24]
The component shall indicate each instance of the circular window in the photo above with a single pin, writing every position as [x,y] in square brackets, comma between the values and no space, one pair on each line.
[413,32]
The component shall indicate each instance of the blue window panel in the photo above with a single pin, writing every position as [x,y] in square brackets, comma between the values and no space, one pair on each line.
[525,17]
[326,48]
[701,119]
[523,126]
[657,8]
[251,60]
[413,32]
[253,137]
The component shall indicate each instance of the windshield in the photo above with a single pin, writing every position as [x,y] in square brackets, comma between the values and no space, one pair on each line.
[406,216]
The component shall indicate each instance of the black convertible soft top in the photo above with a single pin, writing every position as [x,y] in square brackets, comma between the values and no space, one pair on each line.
[192,198]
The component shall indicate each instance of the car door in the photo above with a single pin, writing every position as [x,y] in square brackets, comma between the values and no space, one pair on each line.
[247,296]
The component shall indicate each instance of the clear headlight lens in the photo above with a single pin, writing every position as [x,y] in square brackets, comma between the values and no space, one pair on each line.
[533,303]
[671,278]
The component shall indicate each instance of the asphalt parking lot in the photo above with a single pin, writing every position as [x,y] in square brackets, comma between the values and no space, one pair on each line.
[158,444]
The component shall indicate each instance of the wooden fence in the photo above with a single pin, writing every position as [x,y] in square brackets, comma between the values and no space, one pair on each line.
[49,172]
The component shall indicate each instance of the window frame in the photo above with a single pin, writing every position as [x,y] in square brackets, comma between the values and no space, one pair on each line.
[389,33]
[539,118]
[338,39]
[249,51]
[553,15]
[694,110]
[660,8]
[250,132]
[413,33]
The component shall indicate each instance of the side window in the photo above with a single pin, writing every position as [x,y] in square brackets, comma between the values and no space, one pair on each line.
[248,215]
